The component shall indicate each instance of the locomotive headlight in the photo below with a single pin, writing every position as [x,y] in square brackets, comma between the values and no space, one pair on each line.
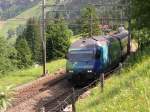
[71,71]
[89,71]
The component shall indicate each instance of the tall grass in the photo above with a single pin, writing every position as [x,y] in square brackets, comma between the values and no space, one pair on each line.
[5,97]
[125,92]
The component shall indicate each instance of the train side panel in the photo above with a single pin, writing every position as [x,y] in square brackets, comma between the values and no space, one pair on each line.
[123,38]
[114,51]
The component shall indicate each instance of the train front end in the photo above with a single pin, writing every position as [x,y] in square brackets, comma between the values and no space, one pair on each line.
[81,61]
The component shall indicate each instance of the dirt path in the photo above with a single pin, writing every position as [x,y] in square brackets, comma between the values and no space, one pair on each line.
[134,46]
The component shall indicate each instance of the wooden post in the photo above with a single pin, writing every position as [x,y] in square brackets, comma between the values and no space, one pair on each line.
[73,101]
[120,67]
[129,27]
[102,82]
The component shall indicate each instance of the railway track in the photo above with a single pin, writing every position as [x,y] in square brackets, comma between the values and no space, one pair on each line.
[65,100]
[33,96]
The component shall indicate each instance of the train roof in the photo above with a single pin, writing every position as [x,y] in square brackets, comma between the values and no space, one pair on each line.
[90,43]
[100,38]
[84,43]
[121,35]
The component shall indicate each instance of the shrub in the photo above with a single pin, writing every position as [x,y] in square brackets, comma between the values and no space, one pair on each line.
[6,52]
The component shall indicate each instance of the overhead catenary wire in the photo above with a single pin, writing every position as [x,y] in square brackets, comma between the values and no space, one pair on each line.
[65,19]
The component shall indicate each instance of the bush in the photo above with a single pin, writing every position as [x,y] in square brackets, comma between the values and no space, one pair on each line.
[142,37]
[6,56]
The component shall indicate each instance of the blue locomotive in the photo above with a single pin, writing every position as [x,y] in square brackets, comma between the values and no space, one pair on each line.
[87,58]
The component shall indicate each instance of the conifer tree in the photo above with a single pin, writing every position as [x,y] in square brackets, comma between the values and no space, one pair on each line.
[89,20]
[24,55]
[58,39]
[32,36]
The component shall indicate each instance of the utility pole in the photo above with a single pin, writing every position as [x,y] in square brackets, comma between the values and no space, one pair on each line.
[43,36]
[91,25]
[129,20]
[121,17]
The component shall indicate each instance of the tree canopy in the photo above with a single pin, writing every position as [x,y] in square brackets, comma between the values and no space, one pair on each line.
[141,23]
[24,55]
[141,12]
[89,21]
[33,38]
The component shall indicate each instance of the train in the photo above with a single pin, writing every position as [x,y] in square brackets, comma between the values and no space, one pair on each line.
[88,58]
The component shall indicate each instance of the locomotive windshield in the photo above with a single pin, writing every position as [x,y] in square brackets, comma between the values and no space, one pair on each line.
[81,55]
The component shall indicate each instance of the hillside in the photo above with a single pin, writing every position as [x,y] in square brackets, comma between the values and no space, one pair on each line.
[13,23]
[31,8]
[12,8]
[78,5]
[125,92]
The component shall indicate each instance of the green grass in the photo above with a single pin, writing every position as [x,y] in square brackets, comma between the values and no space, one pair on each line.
[125,92]
[17,78]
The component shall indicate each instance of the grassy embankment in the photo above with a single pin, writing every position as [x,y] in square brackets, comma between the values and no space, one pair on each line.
[125,92]
[16,78]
